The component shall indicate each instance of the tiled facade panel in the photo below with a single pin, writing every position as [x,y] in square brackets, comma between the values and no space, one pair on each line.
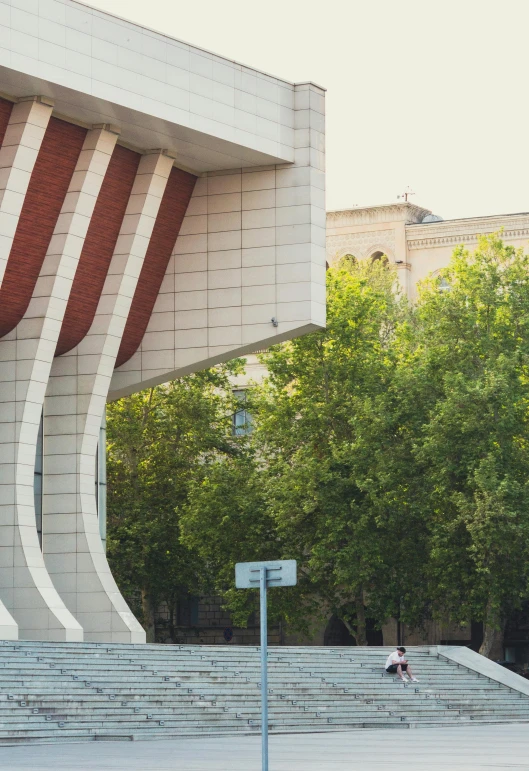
[99,247]
[248,266]
[48,186]
[212,111]
[5,113]
[166,228]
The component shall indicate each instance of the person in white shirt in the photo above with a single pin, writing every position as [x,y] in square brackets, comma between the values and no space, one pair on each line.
[398,664]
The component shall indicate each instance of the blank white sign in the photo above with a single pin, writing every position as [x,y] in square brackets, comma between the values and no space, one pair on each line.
[279,573]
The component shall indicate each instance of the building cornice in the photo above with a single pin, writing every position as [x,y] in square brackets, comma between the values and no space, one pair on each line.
[369,215]
[463,231]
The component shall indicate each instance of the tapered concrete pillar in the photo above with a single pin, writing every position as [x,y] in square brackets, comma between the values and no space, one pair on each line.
[20,147]
[75,404]
[26,355]
[8,625]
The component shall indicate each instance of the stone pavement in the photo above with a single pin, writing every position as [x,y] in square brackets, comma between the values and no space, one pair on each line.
[472,748]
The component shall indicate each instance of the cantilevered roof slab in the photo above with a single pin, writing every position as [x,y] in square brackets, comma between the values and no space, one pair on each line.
[212,112]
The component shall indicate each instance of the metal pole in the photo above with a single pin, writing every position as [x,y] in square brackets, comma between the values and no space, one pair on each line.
[264,668]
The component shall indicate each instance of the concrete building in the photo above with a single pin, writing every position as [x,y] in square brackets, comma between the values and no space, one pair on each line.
[161,210]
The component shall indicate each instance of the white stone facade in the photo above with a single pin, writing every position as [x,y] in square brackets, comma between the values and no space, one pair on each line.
[415,246]
[246,268]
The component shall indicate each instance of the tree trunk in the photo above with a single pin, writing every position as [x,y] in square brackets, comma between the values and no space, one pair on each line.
[492,645]
[493,631]
[172,627]
[361,632]
[148,616]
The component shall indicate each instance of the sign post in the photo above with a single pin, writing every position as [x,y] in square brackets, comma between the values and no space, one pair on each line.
[250,575]
[264,666]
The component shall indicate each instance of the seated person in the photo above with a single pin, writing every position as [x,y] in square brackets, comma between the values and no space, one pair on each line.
[398,664]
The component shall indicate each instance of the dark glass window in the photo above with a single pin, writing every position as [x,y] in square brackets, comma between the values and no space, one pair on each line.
[187,611]
[101,481]
[37,481]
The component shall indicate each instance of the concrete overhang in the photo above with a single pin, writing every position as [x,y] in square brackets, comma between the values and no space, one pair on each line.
[155,125]
[210,112]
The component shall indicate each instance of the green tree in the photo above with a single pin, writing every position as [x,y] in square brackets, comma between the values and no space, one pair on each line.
[315,472]
[389,456]
[227,520]
[465,359]
[159,442]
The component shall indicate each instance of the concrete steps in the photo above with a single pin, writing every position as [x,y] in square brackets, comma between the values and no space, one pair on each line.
[79,691]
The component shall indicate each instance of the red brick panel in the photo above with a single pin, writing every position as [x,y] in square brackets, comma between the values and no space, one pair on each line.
[47,189]
[98,248]
[166,228]
[5,114]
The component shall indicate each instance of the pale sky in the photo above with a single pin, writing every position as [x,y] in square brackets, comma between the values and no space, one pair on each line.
[427,93]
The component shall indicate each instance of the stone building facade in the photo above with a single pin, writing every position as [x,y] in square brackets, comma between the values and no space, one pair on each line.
[415,241]
[205,622]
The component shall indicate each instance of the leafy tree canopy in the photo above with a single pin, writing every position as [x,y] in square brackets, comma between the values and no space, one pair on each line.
[159,442]
[389,456]
[467,351]
[317,421]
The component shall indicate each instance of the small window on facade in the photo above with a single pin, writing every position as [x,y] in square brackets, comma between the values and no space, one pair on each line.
[187,611]
[242,420]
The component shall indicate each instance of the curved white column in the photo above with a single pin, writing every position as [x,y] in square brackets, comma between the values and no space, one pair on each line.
[76,396]
[8,625]
[27,354]
[23,138]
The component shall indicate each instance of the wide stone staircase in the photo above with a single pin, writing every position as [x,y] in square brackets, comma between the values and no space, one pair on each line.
[82,691]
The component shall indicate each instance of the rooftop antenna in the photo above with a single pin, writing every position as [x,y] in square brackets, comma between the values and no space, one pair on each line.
[406,194]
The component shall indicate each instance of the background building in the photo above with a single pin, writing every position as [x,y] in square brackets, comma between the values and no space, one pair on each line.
[415,241]
[161,210]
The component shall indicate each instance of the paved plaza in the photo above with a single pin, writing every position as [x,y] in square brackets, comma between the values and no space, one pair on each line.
[474,748]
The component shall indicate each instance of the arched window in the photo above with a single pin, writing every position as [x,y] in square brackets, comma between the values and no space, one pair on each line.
[442,283]
[336,633]
[347,260]
[379,257]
